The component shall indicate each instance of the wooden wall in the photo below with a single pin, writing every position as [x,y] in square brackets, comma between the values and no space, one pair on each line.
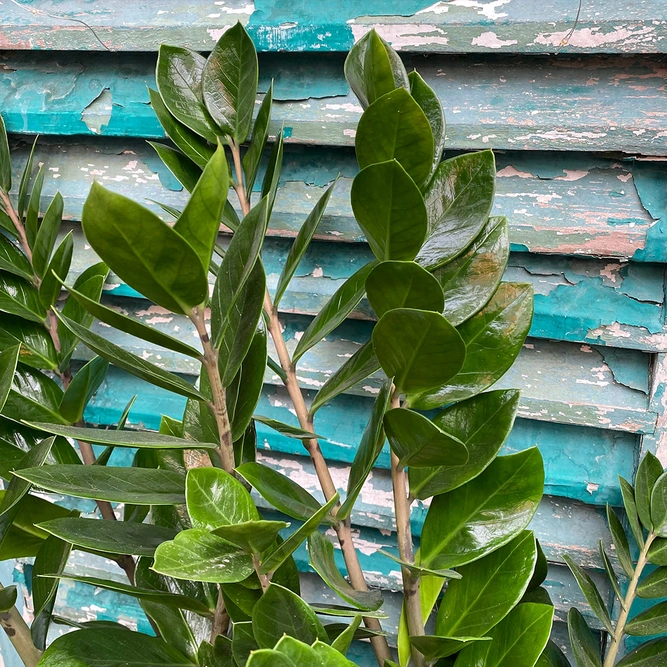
[577,114]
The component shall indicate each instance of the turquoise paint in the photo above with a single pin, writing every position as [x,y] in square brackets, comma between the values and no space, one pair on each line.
[649,179]
[626,368]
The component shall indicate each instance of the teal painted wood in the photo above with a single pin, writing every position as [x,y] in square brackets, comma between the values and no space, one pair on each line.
[601,104]
[412,25]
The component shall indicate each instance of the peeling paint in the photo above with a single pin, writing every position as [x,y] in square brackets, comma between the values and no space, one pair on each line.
[97,114]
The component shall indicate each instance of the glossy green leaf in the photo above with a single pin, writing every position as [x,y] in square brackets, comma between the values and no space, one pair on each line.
[518,640]
[419,570]
[419,349]
[178,75]
[368,451]
[33,395]
[341,610]
[394,127]
[281,612]
[141,486]
[7,598]
[199,222]
[243,642]
[358,367]
[470,280]
[552,656]
[650,654]
[17,297]
[32,213]
[279,490]
[286,429]
[131,362]
[419,443]
[82,388]
[37,348]
[393,284]
[116,537]
[186,172]
[51,558]
[342,642]
[483,515]
[215,498]
[659,506]
[143,251]
[434,647]
[493,339]
[60,263]
[25,181]
[198,555]
[110,647]
[301,243]
[653,621]
[189,142]
[46,235]
[620,541]
[273,170]
[628,493]
[322,560]
[585,648]
[5,160]
[34,509]
[268,658]
[337,308]
[429,102]
[260,134]
[287,548]
[459,199]
[390,210]
[541,571]
[229,82]
[216,655]
[590,591]
[8,361]
[13,260]
[648,473]
[488,589]
[654,585]
[611,573]
[254,536]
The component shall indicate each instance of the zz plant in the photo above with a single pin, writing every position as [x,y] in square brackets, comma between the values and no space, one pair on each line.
[645,579]
[216,579]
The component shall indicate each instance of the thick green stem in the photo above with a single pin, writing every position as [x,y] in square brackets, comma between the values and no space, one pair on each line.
[18,633]
[626,603]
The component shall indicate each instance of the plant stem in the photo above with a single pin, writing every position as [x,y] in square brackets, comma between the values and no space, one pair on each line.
[263,578]
[210,361]
[411,597]
[220,623]
[239,187]
[18,633]
[16,220]
[626,603]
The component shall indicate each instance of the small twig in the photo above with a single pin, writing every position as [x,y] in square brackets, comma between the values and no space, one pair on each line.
[18,634]
[567,37]
[220,619]
[14,217]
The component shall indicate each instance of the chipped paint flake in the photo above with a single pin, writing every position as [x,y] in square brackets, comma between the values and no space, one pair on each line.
[491,41]
[588,38]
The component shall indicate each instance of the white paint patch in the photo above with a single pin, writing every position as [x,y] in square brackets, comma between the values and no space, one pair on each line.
[347,106]
[247,9]
[572,175]
[592,488]
[402,35]
[610,272]
[491,41]
[587,38]
[624,178]
[509,171]
[486,9]
[217,33]
[349,133]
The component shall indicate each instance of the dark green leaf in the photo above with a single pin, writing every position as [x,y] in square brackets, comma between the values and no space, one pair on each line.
[488,590]
[630,505]
[273,170]
[178,75]
[654,585]
[394,284]
[34,509]
[342,641]
[181,166]
[260,134]
[199,222]
[13,260]
[131,362]
[620,541]
[268,658]
[590,591]
[340,610]
[459,199]
[340,305]
[426,98]
[420,349]
[59,265]
[46,235]
[659,506]
[470,280]
[198,555]
[110,647]
[552,656]
[493,339]
[143,251]
[368,451]
[301,243]
[32,214]
[25,181]
[243,642]
[541,571]
[82,388]
[434,647]
[322,560]
[279,490]
[254,536]
[390,210]
[141,486]
[281,612]
[357,368]
[37,348]
[648,472]
[229,82]
[653,621]
[419,443]
[189,142]
[488,512]
[7,598]
[287,548]
[650,654]
[419,570]
[20,298]
[8,360]
[34,395]
[286,429]
[5,160]
[216,655]
[611,574]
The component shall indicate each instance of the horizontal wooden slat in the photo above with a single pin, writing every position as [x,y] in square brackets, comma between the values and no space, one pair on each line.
[412,25]
[601,104]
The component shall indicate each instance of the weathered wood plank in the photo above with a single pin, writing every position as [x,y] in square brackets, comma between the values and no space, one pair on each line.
[452,26]
[601,104]
[563,204]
